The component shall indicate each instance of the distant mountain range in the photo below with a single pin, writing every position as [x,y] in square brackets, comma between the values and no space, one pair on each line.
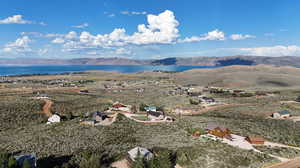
[204,61]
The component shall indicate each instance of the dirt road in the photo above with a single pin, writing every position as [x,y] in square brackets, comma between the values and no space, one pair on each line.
[295,163]
[47,107]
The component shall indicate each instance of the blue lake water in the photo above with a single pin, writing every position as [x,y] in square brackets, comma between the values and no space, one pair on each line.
[8,70]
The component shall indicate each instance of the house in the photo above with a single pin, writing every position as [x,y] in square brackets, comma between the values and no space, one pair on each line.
[41,96]
[194,92]
[55,118]
[281,114]
[99,116]
[139,152]
[207,100]
[121,107]
[155,115]
[256,140]
[31,158]
[150,108]
[218,130]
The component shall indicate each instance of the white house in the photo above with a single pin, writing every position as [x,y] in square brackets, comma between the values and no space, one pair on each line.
[137,152]
[53,119]
[282,114]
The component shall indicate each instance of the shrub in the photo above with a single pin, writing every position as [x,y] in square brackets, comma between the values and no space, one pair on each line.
[142,106]
[194,102]
[12,163]
[26,164]
[4,159]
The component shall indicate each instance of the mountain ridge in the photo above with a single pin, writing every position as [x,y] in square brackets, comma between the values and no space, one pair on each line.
[191,61]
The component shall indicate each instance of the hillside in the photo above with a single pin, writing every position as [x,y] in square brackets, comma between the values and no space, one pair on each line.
[200,61]
[261,76]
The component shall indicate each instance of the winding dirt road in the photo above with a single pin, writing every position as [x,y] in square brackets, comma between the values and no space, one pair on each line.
[47,107]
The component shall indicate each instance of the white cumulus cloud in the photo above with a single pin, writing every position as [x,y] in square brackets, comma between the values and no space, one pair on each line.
[21,45]
[18,19]
[161,29]
[213,35]
[278,50]
[241,36]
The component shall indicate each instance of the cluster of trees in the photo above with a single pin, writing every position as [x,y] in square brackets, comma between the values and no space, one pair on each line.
[9,161]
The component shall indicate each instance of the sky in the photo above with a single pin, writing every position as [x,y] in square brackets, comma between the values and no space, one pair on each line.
[64,29]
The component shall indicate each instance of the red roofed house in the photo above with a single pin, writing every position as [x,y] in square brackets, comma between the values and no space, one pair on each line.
[257,140]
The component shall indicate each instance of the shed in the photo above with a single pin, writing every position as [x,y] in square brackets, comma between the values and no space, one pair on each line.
[257,140]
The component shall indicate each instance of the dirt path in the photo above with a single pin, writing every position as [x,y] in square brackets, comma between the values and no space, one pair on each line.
[47,107]
[120,164]
[273,144]
[130,116]
[295,163]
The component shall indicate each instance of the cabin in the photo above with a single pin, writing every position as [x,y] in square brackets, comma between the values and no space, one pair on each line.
[282,114]
[139,152]
[31,158]
[99,116]
[155,115]
[218,131]
[255,140]
[55,118]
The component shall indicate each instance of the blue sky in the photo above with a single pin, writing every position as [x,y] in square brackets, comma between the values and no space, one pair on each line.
[148,29]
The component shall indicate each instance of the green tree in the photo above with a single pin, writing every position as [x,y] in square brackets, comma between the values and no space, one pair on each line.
[139,161]
[26,164]
[142,106]
[162,160]
[3,159]
[12,162]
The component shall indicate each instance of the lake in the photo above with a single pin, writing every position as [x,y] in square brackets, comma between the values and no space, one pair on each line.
[9,70]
